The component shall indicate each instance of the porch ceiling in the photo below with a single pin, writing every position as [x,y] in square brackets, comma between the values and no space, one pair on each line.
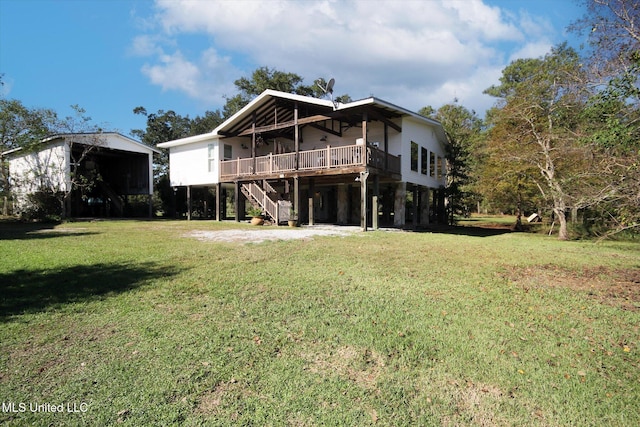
[275,118]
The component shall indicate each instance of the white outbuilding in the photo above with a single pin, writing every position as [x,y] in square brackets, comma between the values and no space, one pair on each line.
[93,174]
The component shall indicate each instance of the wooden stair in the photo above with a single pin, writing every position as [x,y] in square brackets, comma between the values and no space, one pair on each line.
[277,210]
[259,198]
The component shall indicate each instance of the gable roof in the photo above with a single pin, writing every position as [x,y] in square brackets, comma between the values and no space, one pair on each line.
[55,137]
[272,107]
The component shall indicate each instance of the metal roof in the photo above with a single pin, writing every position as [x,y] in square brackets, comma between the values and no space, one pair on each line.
[273,111]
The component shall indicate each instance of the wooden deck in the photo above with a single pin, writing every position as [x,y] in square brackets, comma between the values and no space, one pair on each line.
[330,159]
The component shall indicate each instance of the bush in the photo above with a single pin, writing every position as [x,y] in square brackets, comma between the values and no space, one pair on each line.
[43,205]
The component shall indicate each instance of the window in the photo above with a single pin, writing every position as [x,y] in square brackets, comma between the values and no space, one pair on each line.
[228,152]
[424,161]
[432,164]
[414,156]
[211,148]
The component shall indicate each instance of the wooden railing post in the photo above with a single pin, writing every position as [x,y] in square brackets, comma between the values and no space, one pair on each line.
[328,158]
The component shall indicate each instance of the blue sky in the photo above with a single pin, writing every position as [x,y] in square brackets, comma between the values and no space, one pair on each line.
[110,56]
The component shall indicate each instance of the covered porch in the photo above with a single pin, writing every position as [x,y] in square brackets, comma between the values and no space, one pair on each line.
[342,159]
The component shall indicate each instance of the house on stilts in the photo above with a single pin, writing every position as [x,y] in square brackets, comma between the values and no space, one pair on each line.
[365,162]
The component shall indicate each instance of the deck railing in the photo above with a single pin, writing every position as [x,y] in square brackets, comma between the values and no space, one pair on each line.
[253,191]
[324,158]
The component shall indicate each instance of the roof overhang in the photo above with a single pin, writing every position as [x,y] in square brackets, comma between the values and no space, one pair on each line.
[189,140]
[273,112]
[82,138]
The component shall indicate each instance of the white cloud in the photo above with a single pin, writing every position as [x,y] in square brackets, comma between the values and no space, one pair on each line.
[480,20]
[532,50]
[174,72]
[145,45]
[205,80]
[411,53]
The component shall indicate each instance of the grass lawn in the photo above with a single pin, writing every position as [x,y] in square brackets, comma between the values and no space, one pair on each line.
[133,322]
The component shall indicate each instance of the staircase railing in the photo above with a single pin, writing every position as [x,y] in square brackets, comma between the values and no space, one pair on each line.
[258,195]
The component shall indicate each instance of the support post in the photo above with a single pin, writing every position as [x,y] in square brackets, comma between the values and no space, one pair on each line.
[253,145]
[386,147]
[296,195]
[312,190]
[206,203]
[296,138]
[399,204]
[218,200]
[424,206]
[343,204]
[236,200]
[188,203]
[374,206]
[416,201]
[363,200]
[365,119]
[374,213]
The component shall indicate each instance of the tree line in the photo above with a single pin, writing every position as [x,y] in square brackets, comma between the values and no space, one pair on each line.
[563,136]
[564,133]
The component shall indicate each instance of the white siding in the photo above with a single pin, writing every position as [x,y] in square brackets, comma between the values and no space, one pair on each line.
[424,135]
[189,164]
[48,168]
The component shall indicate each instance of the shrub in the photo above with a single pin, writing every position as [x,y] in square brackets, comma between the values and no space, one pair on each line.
[42,205]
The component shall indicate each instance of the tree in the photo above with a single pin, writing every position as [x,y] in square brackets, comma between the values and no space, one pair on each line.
[20,127]
[161,127]
[206,123]
[50,179]
[166,126]
[463,129]
[613,111]
[264,78]
[613,29]
[504,187]
[536,127]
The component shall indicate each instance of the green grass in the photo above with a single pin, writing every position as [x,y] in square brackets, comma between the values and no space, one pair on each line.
[148,327]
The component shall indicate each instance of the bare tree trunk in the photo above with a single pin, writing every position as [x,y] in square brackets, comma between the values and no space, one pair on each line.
[63,208]
[563,233]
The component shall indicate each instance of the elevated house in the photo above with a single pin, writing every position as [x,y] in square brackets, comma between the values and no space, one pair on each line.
[96,174]
[366,162]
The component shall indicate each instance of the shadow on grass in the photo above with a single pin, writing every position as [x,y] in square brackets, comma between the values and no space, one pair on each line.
[16,230]
[31,291]
[470,230]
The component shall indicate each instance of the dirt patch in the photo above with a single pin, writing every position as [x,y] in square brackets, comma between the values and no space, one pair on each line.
[615,287]
[362,366]
[477,402]
[225,393]
[262,234]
